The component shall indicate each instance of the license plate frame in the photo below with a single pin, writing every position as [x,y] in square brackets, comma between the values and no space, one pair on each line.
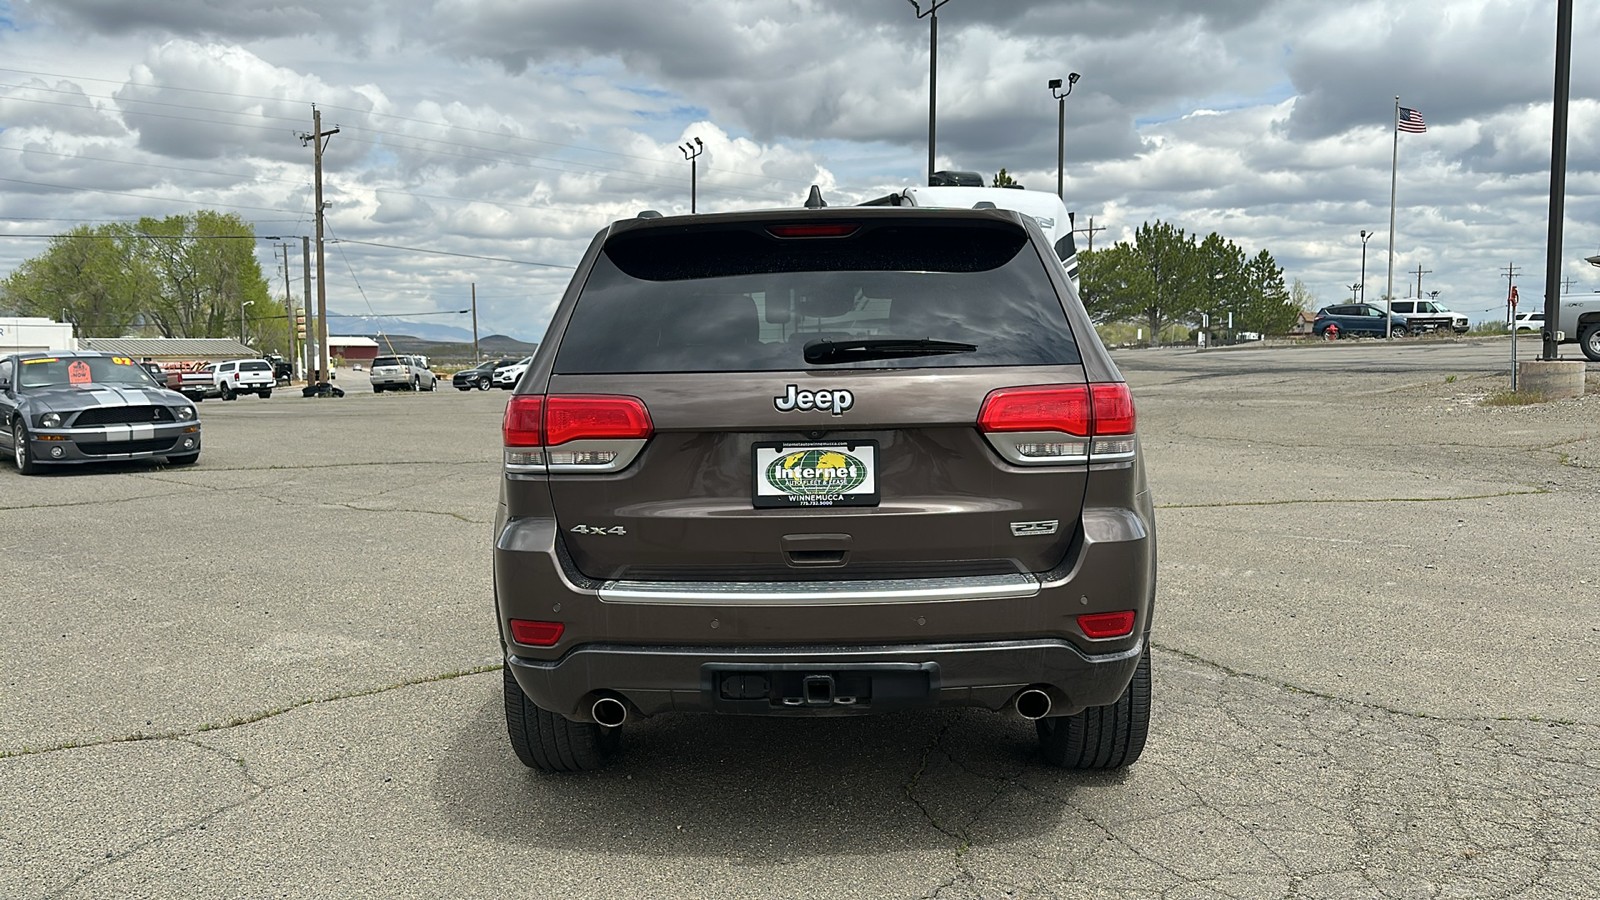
[808,487]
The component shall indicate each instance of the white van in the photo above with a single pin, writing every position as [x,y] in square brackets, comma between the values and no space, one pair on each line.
[1045,208]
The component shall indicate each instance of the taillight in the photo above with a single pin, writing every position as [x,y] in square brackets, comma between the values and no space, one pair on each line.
[1056,424]
[574,432]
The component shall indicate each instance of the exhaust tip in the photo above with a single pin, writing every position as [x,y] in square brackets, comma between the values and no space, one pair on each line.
[609,712]
[1033,704]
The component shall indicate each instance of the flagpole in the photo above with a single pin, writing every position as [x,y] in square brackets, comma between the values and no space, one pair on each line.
[1394,168]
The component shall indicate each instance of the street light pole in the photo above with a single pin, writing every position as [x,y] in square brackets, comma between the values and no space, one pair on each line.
[1061,130]
[932,15]
[1365,236]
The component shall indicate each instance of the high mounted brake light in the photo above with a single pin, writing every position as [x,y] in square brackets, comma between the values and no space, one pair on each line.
[818,230]
[574,432]
[1056,424]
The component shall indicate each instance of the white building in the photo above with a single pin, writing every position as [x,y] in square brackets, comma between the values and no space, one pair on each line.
[31,335]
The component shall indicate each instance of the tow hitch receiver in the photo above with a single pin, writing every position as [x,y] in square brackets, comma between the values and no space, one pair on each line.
[804,688]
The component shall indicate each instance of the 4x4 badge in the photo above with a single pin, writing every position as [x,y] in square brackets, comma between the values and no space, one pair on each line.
[835,402]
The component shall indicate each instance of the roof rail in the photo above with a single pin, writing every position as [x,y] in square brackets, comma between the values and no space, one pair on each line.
[649,214]
[814,199]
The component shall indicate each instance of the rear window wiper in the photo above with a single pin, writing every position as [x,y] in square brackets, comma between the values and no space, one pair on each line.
[856,349]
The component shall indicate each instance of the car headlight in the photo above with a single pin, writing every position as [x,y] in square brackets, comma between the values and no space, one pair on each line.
[185,413]
[50,420]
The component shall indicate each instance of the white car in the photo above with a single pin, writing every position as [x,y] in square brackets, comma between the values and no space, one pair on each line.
[506,377]
[243,376]
[1532,320]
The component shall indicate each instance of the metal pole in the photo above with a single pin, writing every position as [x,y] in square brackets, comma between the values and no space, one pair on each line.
[1061,147]
[933,83]
[477,356]
[1558,180]
[1364,238]
[694,170]
[1394,168]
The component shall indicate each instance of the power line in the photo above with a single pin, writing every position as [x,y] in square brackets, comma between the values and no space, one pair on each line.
[524,262]
[212,205]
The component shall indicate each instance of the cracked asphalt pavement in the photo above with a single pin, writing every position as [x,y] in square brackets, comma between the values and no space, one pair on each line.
[275,674]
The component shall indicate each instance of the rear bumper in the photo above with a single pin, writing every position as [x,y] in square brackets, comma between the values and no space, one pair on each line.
[824,680]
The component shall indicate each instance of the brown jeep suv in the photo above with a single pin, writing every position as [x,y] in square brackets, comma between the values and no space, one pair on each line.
[823,461]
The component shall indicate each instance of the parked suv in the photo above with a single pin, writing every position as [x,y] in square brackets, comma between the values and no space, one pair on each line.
[243,376]
[820,462]
[396,373]
[507,374]
[1426,315]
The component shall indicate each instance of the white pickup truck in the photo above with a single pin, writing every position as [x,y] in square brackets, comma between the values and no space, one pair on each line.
[1578,322]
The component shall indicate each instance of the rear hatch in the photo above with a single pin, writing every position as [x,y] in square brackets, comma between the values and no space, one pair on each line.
[814,398]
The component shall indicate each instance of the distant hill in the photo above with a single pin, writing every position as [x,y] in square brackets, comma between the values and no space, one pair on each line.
[452,352]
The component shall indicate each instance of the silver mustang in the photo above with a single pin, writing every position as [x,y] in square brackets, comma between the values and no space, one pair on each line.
[84,407]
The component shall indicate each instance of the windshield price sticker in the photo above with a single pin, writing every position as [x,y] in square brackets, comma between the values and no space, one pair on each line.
[815,474]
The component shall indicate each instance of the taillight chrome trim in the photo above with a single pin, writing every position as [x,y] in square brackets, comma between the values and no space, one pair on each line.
[1009,444]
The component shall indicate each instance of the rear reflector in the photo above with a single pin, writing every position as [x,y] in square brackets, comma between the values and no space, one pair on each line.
[1107,625]
[536,634]
[831,229]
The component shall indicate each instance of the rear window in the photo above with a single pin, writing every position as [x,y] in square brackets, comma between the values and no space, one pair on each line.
[257,366]
[727,298]
[386,361]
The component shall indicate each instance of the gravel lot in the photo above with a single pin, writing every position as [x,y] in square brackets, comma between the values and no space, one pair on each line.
[275,674]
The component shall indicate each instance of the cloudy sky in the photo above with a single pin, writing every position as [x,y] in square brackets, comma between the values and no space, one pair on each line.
[485,141]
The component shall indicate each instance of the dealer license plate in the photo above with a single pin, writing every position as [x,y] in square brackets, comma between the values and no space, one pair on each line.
[816,474]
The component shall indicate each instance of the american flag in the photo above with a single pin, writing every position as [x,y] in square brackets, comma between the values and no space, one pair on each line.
[1411,120]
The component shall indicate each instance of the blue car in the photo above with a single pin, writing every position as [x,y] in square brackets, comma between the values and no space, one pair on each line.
[1356,319]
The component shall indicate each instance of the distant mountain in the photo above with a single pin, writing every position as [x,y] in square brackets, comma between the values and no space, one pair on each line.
[370,325]
[452,351]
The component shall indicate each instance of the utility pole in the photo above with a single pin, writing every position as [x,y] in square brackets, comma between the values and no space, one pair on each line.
[1511,272]
[315,139]
[1566,285]
[477,357]
[306,363]
[1090,231]
[1353,289]
[1421,272]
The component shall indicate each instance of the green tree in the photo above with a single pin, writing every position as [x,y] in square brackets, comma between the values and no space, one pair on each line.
[185,276]
[1269,307]
[82,278]
[1001,179]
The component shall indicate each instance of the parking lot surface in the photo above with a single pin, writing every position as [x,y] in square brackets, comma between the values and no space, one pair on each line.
[274,674]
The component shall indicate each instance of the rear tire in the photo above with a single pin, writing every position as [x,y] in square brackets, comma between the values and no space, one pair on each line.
[227,393]
[1102,737]
[545,741]
[1589,342]
[265,394]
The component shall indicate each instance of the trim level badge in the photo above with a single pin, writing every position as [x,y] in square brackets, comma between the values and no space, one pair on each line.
[1026,529]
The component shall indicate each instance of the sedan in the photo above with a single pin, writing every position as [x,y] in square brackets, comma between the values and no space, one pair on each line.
[480,376]
[86,407]
[1356,318]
